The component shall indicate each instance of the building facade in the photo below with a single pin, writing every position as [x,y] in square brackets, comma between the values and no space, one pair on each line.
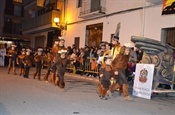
[40,23]
[11,17]
[92,21]
[88,22]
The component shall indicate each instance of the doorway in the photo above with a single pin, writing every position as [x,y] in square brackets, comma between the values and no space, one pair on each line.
[39,41]
[94,34]
[77,42]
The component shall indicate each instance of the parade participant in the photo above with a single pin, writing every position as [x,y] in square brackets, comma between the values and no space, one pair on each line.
[12,54]
[54,52]
[38,63]
[60,64]
[100,53]
[61,43]
[19,61]
[61,46]
[119,64]
[49,62]
[107,51]
[106,74]
[27,61]
[116,47]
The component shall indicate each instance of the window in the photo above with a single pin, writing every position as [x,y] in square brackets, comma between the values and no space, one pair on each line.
[16,28]
[79,3]
[169,36]
[17,10]
[95,5]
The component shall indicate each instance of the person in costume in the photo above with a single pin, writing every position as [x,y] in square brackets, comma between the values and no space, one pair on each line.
[100,53]
[107,51]
[49,63]
[19,61]
[61,64]
[54,52]
[106,74]
[38,63]
[119,65]
[116,47]
[59,46]
[12,54]
[27,61]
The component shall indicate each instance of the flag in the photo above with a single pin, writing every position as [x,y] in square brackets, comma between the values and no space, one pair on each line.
[168,7]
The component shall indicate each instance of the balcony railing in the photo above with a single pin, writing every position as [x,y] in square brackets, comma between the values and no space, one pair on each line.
[88,10]
[42,20]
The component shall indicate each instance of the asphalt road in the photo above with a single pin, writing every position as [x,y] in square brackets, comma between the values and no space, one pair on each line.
[21,96]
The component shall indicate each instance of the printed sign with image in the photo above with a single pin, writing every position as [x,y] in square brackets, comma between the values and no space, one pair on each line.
[143,80]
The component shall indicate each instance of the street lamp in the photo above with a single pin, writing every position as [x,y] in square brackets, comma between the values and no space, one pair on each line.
[61,26]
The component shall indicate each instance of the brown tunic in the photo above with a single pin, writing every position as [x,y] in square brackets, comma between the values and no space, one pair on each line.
[120,62]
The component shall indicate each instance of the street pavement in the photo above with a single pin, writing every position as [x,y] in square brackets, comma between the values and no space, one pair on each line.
[22,96]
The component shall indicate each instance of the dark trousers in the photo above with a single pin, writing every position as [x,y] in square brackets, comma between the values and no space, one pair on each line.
[48,69]
[12,63]
[38,67]
[26,71]
[121,79]
[61,82]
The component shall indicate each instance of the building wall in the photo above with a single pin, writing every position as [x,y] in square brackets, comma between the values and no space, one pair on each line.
[154,22]
[131,22]
[142,22]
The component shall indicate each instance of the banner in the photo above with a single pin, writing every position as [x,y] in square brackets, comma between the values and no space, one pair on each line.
[168,7]
[143,80]
[2,57]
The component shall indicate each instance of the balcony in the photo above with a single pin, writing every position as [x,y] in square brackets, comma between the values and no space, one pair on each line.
[40,23]
[93,9]
[33,4]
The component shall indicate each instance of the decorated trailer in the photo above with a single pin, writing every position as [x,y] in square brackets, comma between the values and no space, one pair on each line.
[161,55]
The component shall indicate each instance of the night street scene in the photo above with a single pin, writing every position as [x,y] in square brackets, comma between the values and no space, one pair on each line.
[87,57]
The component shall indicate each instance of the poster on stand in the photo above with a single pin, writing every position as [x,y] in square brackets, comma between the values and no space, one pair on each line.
[2,57]
[143,80]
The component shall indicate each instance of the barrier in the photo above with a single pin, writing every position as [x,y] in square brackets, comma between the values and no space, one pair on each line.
[89,66]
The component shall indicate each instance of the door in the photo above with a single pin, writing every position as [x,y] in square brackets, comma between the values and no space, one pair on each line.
[77,42]
[39,41]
